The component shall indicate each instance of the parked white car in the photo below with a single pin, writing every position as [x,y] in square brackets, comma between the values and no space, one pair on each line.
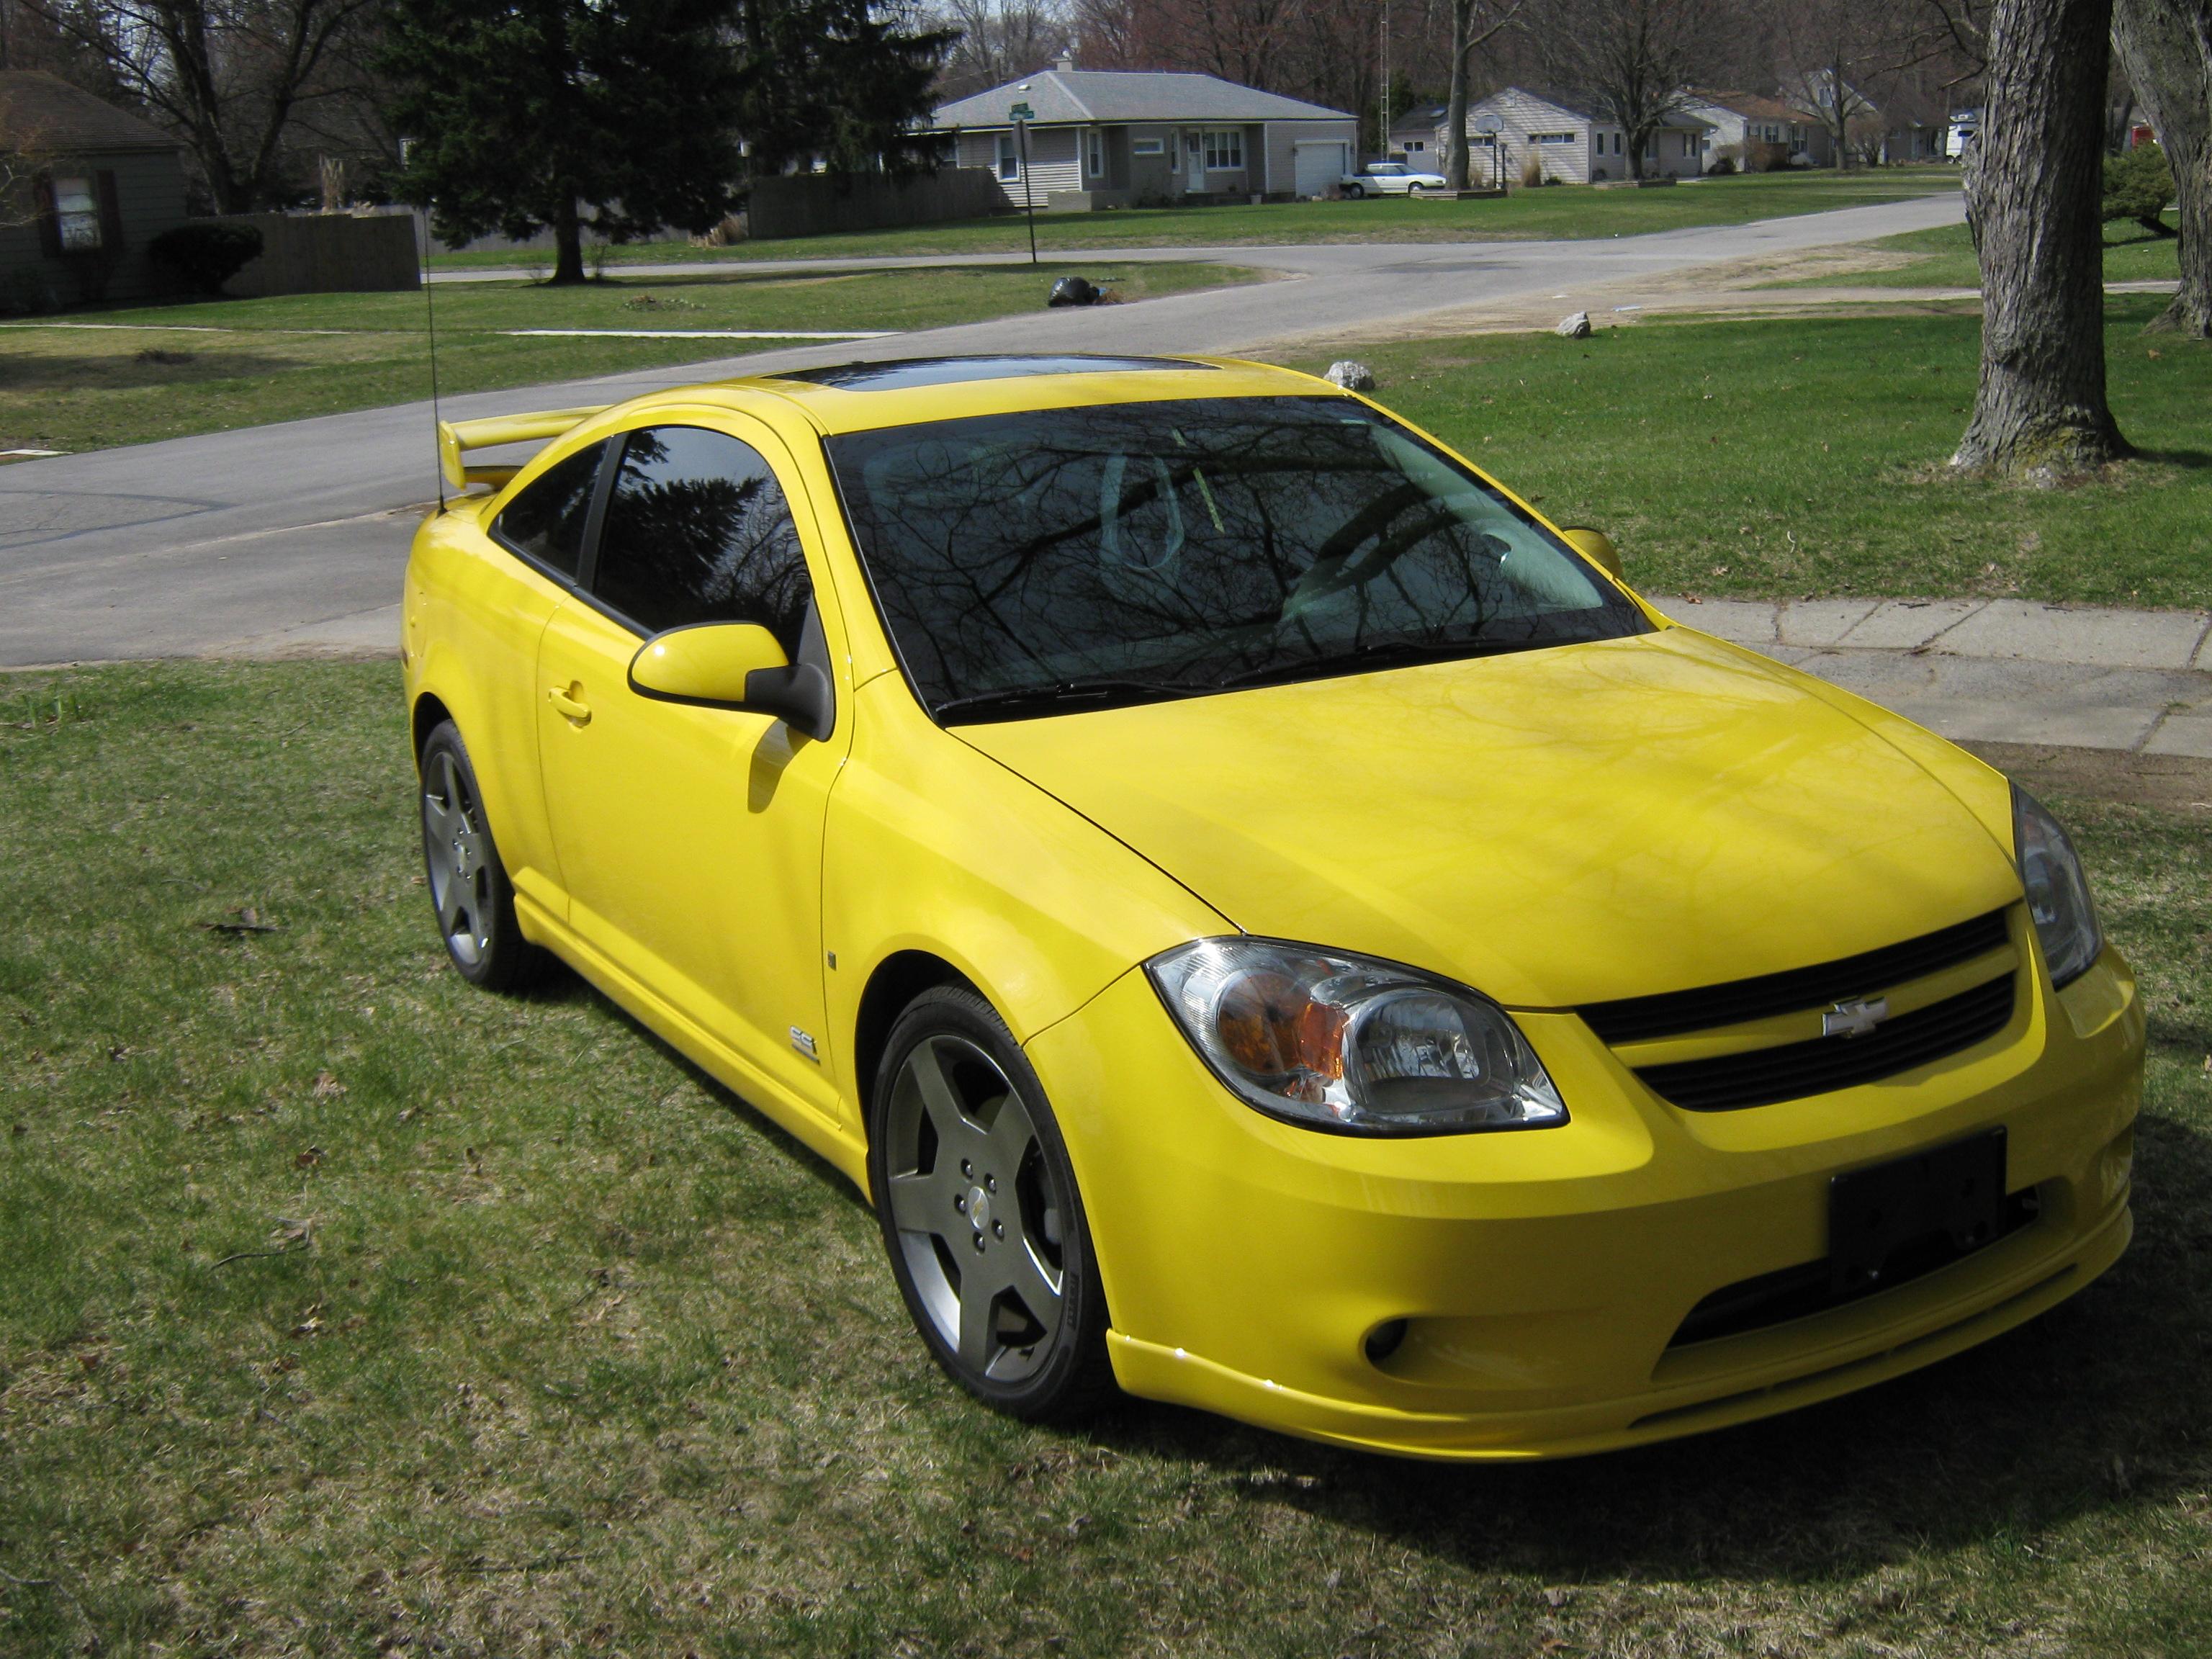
[1388,179]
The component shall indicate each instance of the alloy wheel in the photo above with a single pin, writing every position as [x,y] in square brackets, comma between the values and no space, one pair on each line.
[980,1217]
[456,850]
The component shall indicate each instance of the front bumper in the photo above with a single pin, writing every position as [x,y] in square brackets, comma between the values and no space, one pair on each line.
[1543,1274]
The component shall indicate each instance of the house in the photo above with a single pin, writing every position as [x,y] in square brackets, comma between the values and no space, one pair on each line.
[1888,138]
[1414,137]
[1759,134]
[88,187]
[1112,139]
[1563,136]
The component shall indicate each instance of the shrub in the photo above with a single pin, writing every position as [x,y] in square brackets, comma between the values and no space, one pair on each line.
[206,253]
[2138,184]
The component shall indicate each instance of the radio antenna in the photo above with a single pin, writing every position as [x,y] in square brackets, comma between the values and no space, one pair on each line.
[431,316]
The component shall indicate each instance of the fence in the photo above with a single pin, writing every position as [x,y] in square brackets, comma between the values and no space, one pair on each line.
[328,253]
[817,203]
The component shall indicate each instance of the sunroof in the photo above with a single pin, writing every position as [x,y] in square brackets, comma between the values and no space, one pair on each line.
[949,371]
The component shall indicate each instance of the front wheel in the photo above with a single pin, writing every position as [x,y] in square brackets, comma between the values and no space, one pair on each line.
[979,1213]
[1413,190]
[469,888]
[1355,191]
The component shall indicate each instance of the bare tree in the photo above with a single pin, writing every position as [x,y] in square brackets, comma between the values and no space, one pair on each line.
[1000,41]
[1475,24]
[2032,188]
[1834,48]
[2166,47]
[231,76]
[1637,58]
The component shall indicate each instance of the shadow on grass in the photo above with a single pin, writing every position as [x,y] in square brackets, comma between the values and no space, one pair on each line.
[2100,1406]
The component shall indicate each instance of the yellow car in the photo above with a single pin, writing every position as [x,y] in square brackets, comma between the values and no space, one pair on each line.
[1273,923]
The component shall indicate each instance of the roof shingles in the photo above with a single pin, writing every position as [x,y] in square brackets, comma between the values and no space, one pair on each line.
[41,114]
[1065,96]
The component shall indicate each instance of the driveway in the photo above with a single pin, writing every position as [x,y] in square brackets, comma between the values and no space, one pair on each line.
[295,535]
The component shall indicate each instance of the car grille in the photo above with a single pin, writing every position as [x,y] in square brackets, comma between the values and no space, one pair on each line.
[1794,1070]
[1633,1019]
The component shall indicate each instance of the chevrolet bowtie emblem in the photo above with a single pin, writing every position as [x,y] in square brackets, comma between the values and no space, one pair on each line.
[1850,1020]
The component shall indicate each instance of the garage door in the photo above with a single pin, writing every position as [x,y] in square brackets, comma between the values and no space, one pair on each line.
[1319,164]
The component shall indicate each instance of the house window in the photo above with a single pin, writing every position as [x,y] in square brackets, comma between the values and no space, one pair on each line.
[1094,154]
[76,214]
[1414,146]
[1145,146]
[1224,149]
[1010,158]
[1616,143]
[1553,137]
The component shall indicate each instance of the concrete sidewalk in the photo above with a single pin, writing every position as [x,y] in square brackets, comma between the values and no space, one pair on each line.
[1995,671]
[1979,671]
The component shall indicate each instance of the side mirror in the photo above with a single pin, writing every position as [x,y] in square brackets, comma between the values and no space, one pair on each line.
[733,666]
[1597,547]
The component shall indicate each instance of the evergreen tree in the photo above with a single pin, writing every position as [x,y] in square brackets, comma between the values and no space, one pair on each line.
[523,114]
[829,80]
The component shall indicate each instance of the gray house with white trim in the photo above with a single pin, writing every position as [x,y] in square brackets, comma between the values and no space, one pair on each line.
[1116,138]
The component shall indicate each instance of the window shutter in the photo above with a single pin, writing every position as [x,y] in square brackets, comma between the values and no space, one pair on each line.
[50,224]
[111,213]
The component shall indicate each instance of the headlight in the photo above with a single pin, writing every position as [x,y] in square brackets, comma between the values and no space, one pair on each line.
[1348,1043]
[2057,891]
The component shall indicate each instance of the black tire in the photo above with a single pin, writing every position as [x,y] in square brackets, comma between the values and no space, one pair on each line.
[1356,192]
[971,1243]
[469,893]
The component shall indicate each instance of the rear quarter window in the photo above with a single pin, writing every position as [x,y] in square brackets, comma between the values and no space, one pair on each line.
[546,521]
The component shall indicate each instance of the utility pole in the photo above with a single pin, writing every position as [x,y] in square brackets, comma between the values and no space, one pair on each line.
[1385,81]
[1022,115]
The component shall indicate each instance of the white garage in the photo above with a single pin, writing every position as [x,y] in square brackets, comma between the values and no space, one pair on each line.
[1318,164]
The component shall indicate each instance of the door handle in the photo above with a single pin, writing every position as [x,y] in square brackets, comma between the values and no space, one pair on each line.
[573,709]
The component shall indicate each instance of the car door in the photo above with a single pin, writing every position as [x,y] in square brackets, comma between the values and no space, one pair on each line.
[689,838]
[492,624]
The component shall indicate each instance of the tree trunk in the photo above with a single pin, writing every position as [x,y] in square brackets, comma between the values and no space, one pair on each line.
[2164,47]
[568,244]
[1462,21]
[2033,192]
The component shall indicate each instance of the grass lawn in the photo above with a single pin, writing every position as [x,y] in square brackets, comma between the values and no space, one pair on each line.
[1805,455]
[1944,258]
[1563,210]
[350,1311]
[70,387]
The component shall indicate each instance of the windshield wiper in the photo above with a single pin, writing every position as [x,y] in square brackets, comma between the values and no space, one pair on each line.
[1383,654]
[1012,702]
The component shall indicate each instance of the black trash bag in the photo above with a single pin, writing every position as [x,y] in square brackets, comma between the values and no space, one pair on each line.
[1073,291]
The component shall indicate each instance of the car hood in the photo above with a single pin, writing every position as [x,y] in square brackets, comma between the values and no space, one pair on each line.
[1553,827]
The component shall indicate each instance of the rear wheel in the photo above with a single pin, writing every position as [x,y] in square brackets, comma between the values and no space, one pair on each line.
[469,888]
[980,1213]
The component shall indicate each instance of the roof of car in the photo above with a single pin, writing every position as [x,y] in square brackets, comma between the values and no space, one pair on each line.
[860,397]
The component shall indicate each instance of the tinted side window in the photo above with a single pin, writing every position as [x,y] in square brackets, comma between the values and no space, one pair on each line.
[546,520]
[697,531]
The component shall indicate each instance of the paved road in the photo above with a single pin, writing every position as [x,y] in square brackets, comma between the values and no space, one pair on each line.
[295,535]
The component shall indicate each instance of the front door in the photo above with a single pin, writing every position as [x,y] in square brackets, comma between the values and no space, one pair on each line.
[1194,163]
[691,839]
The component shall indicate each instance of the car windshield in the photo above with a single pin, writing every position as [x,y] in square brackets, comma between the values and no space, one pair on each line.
[1082,557]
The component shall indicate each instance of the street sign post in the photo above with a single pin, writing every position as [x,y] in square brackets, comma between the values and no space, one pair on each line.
[1021,115]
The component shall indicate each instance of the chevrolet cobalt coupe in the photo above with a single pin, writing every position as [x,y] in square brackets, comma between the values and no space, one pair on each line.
[1271,922]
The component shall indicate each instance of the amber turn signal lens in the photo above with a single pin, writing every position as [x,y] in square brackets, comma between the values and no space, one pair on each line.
[1273,1027]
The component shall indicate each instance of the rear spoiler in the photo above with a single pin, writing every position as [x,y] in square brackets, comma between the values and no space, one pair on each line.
[457,438]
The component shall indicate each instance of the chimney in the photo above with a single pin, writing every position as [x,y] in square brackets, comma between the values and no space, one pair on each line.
[1065,60]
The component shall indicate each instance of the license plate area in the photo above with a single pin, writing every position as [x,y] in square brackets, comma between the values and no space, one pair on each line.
[1898,1220]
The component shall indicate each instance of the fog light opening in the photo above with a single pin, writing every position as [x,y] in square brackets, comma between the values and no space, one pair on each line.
[1384,1340]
